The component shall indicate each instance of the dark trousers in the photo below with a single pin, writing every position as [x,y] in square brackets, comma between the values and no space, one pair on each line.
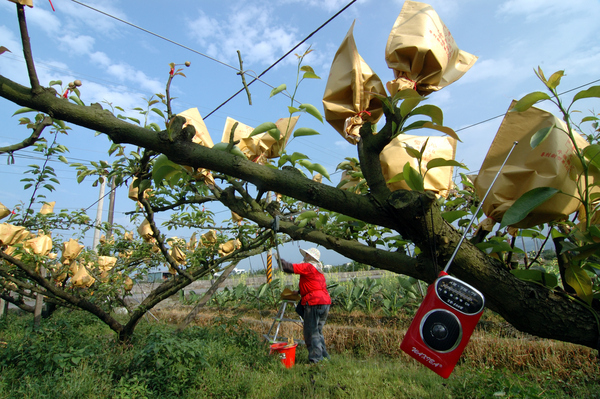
[314,320]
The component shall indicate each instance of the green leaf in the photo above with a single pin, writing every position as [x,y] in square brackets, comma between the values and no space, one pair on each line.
[278,90]
[435,113]
[408,105]
[293,110]
[307,68]
[554,80]
[275,133]
[397,178]
[134,120]
[592,153]
[321,169]
[404,94]
[443,129]
[305,131]
[312,110]
[76,100]
[495,246]
[441,162]
[527,203]
[307,215]
[413,152]
[589,119]
[63,159]
[580,281]
[451,216]
[297,156]
[593,91]
[529,100]
[154,127]
[413,178]
[540,136]
[158,112]
[310,75]
[23,111]
[547,279]
[263,127]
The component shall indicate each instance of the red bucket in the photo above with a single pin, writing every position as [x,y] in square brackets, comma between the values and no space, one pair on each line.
[287,353]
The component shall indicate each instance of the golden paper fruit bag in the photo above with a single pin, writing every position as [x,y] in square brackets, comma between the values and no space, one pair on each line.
[28,3]
[82,278]
[209,238]
[40,245]
[71,250]
[194,118]
[348,100]
[551,164]
[11,235]
[394,156]
[228,247]
[422,52]
[145,231]
[4,211]
[177,254]
[105,263]
[47,208]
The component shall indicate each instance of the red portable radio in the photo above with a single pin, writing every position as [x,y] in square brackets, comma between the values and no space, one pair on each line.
[448,315]
[443,324]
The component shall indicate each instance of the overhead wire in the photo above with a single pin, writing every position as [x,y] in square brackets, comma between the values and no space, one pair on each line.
[238,70]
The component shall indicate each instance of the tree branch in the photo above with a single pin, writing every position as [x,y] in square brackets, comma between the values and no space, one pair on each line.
[31,140]
[33,79]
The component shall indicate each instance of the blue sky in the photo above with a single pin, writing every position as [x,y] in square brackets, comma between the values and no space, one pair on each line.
[120,64]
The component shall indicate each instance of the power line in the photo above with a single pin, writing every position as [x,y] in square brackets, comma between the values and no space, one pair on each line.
[214,59]
[501,115]
[282,57]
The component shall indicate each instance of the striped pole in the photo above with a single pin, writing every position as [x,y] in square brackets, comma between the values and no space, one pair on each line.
[269,267]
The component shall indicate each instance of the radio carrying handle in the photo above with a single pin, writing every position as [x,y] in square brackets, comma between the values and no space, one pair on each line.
[462,238]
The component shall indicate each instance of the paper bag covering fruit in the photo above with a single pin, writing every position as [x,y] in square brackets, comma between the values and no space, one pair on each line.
[71,250]
[11,235]
[145,231]
[47,208]
[4,211]
[349,182]
[82,278]
[262,146]
[105,264]
[553,163]
[236,218]
[201,137]
[134,192]
[228,247]
[209,238]
[40,245]
[28,3]
[348,100]
[289,295]
[422,52]
[394,156]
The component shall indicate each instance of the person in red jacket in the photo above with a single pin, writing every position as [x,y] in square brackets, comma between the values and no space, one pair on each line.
[315,299]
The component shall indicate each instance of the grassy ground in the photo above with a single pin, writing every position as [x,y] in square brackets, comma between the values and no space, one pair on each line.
[74,356]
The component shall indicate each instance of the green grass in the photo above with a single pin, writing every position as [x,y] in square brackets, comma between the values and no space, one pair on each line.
[75,356]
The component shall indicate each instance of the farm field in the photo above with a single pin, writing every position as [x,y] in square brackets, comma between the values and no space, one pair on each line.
[224,355]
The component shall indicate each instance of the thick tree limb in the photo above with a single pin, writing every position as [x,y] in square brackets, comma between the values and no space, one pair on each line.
[529,307]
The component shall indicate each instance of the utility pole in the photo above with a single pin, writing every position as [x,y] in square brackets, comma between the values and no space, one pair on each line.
[111,206]
[98,220]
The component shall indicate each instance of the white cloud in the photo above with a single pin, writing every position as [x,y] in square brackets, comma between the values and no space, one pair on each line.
[79,44]
[251,29]
[100,58]
[535,10]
